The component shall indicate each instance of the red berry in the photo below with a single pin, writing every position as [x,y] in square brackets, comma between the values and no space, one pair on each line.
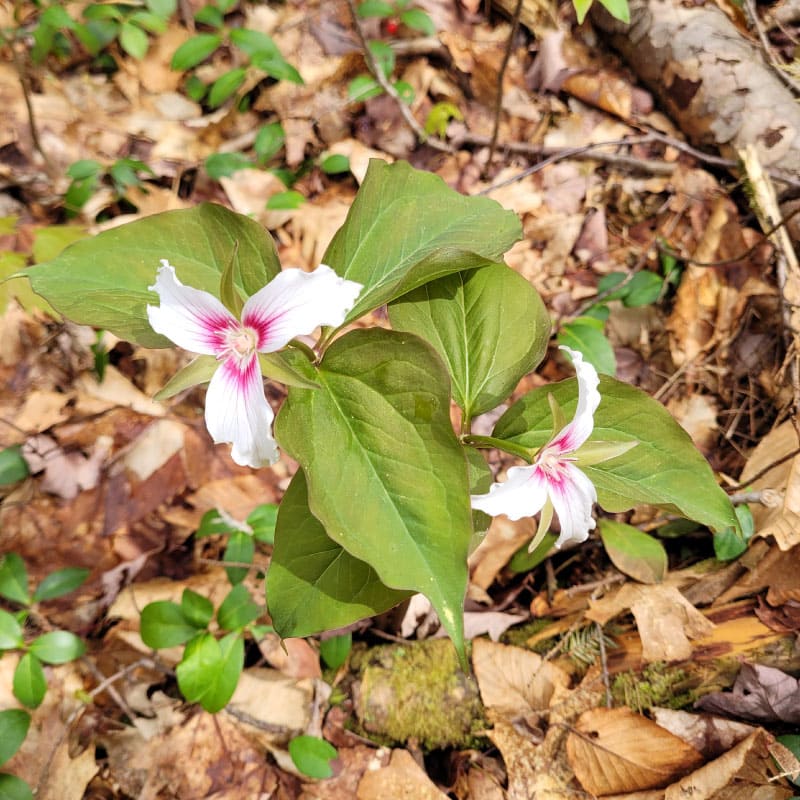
[392,26]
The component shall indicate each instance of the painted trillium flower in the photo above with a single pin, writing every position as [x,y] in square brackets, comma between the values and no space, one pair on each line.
[291,304]
[553,482]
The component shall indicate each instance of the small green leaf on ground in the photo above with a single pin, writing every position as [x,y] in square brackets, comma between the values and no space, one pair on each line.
[634,552]
[59,583]
[313,756]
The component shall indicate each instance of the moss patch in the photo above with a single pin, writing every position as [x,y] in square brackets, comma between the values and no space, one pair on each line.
[657,685]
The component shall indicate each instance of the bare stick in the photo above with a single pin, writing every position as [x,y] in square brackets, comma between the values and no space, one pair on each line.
[387,87]
[765,46]
[498,105]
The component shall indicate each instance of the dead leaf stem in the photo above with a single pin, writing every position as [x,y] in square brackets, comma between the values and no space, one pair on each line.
[387,87]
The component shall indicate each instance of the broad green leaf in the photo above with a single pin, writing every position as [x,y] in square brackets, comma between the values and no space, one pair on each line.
[480,478]
[407,227]
[363,87]
[14,788]
[285,201]
[149,21]
[335,164]
[525,561]
[29,685]
[133,40]
[14,579]
[288,366]
[10,632]
[198,610]
[634,552]
[210,669]
[375,8]
[14,724]
[379,429]
[241,548]
[269,140]
[419,20]
[226,85]
[53,239]
[262,521]
[194,373]
[237,609]
[732,542]
[664,469]
[312,756]
[13,467]
[618,9]
[278,68]
[164,624]
[405,91]
[58,647]
[334,651]
[211,16]
[313,583]
[104,281]
[223,165]
[586,336]
[84,168]
[164,8]
[195,50]
[582,9]
[60,582]
[213,523]
[643,289]
[489,325]
[255,43]
[384,56]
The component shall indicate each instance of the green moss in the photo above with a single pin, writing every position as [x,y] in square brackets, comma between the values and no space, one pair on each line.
[418,692]
[657,685]
[519,635]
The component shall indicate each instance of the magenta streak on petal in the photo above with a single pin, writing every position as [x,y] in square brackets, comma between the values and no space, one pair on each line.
[241,371]
[565,441]
[260,324]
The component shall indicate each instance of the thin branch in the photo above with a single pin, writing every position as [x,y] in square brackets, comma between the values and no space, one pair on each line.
[765,46]
[498,106]
[762,472]
[601,642]
[387,87]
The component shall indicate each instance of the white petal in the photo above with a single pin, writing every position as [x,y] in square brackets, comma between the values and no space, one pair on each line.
[573,497]
[295,303]
[237,412]
[193,319]
[521,495]
[573,435]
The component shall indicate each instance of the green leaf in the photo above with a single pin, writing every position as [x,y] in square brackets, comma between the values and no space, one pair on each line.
[732,542]
[29,685]
[262,522]
[210,669]
[634,552]
[586,336]
[54,239]
[255,43]
[524,561]
[405,91]
[14,788]
[57,17]
[194,373]
[60,582]
[384,56]
[312,756]
[14,724]
[285,201]
[241,548]
[419,20]
[85,168]
[439,116]
[228,294]
[211,16]
[198,242]
[313,583]
[237,609]
[644,288]
[618,9]
[213,523]
[582,9]
[269,140]
[10,632]
[14,579]
[223,165]
[164,8]
[664,469]
[150,22]
[489,326]
[335,164]
[388,245]
[379,428]
[58,647]
[334,651]
[195,89]
[133,40]
[375,8]
[278,68]
[13,467]
[195,50]
[792,742]
[197,610]
[164,624]
[289,366]
[363,87]
[225,86]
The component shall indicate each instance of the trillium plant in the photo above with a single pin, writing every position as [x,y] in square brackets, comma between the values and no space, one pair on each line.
[390,495]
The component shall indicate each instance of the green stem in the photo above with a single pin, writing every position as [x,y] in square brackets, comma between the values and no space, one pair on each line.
[489,442]
[305,349]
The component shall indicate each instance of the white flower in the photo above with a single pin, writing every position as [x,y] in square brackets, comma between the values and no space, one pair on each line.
[553,482]
[292,304]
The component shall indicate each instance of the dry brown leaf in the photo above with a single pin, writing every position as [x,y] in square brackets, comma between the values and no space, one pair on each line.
[781,516]
[293,657]
[760,694]
[603,90]
[516,682]
[160,441]
[115,390]
[500,543]
[42,409]
[665,619]
[402,779]
[488,623]
[710,735]
[617,750]
[697,415]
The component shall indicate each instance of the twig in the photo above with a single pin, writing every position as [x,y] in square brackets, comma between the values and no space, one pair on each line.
[601,643]
[387,87]
[762,472]
[498,105]
[765,46]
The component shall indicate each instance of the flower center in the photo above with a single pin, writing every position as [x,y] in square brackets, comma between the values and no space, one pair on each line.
[551,462]
[241,342]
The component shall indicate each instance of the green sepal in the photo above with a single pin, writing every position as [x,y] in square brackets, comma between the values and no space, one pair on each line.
[289,367]
[193,374]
